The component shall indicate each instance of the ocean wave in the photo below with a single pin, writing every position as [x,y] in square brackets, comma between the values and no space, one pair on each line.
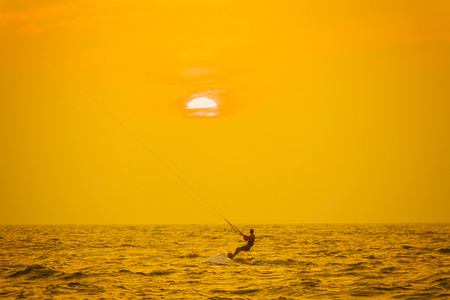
[239,291]
[310,282]
[162,272]
[133,273]
[444,250]
[357,266]
[34,272]
[388,269]
[443,282]
[76,275]
[192,255]
[153,273]
[244,291]
[365,292]
[73,287]
[438,283]
[129,245]
[281,262]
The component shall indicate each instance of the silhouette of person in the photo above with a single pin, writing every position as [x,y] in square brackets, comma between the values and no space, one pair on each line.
[250,241]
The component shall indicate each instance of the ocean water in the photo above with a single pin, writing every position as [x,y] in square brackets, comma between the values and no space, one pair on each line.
[409,261]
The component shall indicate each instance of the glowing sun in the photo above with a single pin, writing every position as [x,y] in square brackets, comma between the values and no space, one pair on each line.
[202,107]
[201,102]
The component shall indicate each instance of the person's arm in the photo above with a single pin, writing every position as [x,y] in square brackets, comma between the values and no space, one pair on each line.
[246,238]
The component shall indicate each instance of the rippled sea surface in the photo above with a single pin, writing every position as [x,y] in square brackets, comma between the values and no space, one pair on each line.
[189,262]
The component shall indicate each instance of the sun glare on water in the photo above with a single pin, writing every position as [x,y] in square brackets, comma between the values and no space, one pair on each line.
[202,107]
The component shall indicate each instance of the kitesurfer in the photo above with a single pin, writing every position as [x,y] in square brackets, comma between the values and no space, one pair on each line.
[250,241]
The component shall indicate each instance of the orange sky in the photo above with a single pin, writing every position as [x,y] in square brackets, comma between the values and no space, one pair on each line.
[330,111]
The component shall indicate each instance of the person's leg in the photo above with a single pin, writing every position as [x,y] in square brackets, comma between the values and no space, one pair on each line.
[239,249]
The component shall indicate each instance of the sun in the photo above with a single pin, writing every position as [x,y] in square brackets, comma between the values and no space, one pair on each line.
[201,102]
[202,107]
